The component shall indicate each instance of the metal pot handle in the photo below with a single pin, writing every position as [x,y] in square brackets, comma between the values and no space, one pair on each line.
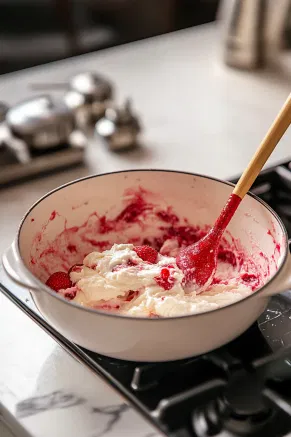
[283,282]
[12,265]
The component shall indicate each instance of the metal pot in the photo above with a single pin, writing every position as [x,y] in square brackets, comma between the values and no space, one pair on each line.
[88,97]
[196,197]
[41,122]
[120,127]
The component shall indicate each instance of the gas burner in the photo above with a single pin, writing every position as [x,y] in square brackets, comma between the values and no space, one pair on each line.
[237,395]
[242,410]
[217,419]
[252,424]
[245,414]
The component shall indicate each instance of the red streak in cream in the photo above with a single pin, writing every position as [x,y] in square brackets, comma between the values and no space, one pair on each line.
[153,225]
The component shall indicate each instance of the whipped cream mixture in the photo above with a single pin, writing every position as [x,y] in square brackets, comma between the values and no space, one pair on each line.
[119,280]
[140,277]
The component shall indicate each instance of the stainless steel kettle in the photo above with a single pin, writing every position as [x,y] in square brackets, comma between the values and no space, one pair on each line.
[254,31]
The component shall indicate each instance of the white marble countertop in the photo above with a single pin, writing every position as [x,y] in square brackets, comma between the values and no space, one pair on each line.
[198,116]
[45,392]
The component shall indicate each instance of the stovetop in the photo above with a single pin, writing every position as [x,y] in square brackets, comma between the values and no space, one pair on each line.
[241,389]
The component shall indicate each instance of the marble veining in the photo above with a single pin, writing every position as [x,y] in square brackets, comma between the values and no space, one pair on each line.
[38,404]
[113,414]
[110,418]
[45,392]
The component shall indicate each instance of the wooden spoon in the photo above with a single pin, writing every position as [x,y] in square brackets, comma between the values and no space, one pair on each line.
[199,261]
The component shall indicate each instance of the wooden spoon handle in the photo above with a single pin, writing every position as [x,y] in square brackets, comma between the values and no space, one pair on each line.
[265,149]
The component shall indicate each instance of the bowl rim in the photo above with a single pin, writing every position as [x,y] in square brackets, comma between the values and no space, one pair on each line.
[45,288]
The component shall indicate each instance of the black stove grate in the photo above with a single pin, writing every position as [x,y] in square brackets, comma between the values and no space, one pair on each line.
[273,186]
[241,389]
